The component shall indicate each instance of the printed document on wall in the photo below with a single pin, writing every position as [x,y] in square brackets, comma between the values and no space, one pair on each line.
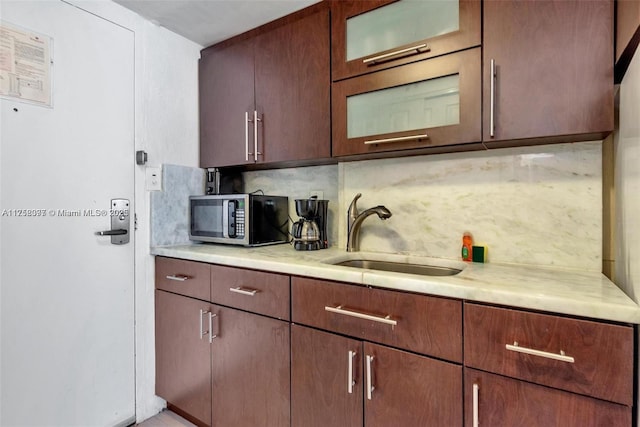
[25,65]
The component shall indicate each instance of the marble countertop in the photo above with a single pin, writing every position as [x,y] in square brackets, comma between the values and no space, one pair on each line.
[574,292]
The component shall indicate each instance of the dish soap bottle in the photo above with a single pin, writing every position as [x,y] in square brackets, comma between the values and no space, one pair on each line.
[467,242]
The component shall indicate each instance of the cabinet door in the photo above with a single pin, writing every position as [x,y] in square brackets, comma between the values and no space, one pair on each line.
[326,379]
[502,401]
[293,90]
[226,101]
[404,389]
[373,35]
[250,370]
[183,370]
[429,103]
[553,69]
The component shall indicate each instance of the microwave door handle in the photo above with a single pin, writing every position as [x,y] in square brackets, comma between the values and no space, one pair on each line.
[225,218]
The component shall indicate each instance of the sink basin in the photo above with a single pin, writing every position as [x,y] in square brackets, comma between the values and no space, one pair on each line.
[400,267]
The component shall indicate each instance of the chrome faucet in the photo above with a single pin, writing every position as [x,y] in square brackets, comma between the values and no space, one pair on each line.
[355,219]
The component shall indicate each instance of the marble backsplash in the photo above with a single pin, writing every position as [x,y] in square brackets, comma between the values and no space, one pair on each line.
[529,205]
[170,207]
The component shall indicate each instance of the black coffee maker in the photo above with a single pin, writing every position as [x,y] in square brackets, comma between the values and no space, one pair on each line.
[310,231]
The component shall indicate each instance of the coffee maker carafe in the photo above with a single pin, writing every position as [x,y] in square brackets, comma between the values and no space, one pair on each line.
[310,231]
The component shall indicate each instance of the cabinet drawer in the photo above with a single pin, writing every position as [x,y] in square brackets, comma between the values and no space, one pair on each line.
[251,290]
[423,324]
[187,278]
[586,357]
[507,402]
[425,104]
[374,35]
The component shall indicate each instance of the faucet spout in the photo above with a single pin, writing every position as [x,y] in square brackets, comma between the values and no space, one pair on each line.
[355,220]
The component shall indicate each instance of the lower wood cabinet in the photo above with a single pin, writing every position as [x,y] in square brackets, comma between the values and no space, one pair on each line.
[183,355]
[250,363]
[493,400]
[339,381]
[218,365]
[325,354]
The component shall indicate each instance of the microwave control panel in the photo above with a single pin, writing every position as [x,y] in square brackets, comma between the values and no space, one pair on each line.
[236,219]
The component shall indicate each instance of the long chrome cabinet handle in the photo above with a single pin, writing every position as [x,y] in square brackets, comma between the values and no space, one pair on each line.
[492,107]
[178,277]
[561,357]
[202,332]
[413,50]
[244,291]
[398,139]
[246,136]
[350,380]
[370,386]
[476,392]
[256,119]
[339,310]
[211,336]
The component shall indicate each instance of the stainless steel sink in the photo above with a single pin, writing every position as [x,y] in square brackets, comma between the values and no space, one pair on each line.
[399,267]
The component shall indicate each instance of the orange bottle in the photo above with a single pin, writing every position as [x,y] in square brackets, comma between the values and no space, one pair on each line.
[467,242]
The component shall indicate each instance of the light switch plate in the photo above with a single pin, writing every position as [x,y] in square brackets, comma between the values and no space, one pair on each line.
[153,178]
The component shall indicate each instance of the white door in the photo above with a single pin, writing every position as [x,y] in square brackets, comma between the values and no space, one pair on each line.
[67,296]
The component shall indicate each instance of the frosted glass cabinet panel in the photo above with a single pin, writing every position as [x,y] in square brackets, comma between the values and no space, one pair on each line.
[373,35]
[400,23]
[429,103]
[425,104]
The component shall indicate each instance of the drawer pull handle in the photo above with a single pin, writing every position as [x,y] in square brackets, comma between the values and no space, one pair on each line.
[561,357]
[350,380]
[178,277]
[339,310]
[397,54]
[244,291]
[398,139]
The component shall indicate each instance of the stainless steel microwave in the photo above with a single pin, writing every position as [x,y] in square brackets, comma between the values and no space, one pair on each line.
[239,219]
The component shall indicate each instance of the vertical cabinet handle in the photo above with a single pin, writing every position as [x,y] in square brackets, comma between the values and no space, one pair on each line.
[202,331]
[370,386]
[247,120]
[211,335]
[350,380]
[476,392]
[492,107]
[256,119]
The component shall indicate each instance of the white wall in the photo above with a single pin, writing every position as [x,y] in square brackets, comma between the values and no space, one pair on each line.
[627,185]
[166,127]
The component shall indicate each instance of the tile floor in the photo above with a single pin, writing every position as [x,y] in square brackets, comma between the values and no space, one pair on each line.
[166,418]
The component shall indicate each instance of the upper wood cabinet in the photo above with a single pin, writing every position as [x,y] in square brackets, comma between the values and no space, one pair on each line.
[373,35]
[266,98]
[430,103]
[547,70]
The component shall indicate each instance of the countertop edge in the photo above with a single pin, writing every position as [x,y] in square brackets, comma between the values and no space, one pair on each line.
[474,284]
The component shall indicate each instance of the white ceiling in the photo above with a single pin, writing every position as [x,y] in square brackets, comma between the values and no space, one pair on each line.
[209,21]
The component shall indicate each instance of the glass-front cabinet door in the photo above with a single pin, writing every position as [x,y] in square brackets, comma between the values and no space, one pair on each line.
[373,35]
[428,103]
